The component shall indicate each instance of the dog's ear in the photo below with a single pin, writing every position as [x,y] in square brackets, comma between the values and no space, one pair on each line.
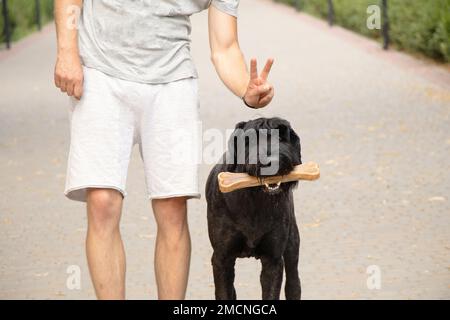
[283,127]
[284,131]
[241,125]
[287,133]
[295,140]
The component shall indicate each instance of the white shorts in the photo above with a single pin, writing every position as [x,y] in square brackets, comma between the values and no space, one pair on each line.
[114,115]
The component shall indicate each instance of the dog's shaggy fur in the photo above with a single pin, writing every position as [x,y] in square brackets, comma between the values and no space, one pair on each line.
[253,222]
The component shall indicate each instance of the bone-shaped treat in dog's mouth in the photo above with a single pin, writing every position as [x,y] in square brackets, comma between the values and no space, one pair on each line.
[230,181]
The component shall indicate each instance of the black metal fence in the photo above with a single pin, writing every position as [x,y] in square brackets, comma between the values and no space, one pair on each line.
[331,18]
[7,24]
[385,28]
[298,5]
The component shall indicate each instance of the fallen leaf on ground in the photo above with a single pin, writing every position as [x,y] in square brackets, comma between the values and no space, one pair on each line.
[436,199]
[312,225]
[41,275]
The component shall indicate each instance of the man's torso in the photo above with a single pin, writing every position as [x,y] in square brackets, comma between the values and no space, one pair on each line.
[141,40]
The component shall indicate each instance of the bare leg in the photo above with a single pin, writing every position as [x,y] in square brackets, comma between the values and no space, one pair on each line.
[104,247]
[173,248]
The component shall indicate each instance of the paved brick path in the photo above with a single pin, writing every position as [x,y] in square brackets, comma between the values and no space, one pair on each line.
[378,124]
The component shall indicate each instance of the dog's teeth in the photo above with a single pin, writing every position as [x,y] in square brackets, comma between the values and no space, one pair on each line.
[274,188]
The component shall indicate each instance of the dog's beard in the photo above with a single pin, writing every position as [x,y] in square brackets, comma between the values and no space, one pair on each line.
[283,164]
[272,149]
[273,188]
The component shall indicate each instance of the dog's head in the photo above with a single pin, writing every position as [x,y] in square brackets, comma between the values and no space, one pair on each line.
[264,147]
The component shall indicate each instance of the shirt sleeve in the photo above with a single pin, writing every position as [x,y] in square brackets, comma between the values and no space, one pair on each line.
[228,6]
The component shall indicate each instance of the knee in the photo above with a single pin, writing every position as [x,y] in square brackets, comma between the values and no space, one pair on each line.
[171,216]
[104,208]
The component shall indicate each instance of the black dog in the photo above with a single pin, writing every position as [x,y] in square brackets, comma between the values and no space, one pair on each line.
[260,221]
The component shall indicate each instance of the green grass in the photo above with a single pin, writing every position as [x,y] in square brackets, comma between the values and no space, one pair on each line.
[22,17]
[421,26]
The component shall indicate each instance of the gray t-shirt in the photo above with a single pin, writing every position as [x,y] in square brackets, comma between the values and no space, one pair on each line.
[145,41]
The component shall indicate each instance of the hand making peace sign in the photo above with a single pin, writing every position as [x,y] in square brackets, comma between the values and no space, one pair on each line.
[259,91]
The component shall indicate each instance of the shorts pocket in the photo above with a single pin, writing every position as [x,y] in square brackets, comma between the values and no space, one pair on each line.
[72,103]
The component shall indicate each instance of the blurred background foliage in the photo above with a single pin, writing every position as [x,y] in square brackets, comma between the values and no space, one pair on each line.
[421,26]
[22,17]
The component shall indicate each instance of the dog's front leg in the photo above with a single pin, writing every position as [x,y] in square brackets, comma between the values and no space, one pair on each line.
[271,277]
[292,287]
[223,270]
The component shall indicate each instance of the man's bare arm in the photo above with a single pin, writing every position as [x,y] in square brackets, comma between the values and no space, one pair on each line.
[230,63]
[68,69]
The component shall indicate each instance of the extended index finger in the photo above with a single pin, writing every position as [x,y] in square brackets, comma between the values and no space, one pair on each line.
[267,68]
[253,69]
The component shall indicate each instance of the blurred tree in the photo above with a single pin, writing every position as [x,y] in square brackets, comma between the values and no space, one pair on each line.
[415,25]
[22,17]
